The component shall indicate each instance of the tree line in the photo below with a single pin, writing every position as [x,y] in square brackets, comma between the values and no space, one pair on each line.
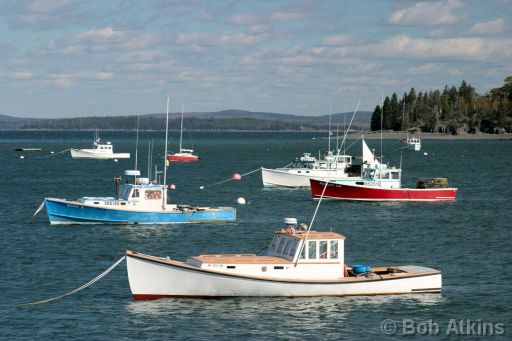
[158,123]
[451,110]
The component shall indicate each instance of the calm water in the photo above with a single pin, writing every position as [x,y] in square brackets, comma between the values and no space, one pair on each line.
[469,240]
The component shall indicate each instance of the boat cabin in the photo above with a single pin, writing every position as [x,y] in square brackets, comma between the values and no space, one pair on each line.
[103,147]
[305,161]
[294,253]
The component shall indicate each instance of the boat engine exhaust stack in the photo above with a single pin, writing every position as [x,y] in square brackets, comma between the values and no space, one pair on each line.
[117,180]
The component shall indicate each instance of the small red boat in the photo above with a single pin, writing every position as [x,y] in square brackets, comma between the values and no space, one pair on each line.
[185,155]
[429,190]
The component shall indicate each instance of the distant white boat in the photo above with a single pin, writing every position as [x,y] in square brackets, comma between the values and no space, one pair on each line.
[99,151]
[413,143]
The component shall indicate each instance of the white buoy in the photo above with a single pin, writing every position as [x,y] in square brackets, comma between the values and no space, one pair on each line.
[22,157]
[52,152]
[425,153]
[240,201]
[172,186]
[115,160]
[202,187]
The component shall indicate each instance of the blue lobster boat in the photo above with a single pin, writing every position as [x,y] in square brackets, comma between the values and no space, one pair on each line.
[140,202]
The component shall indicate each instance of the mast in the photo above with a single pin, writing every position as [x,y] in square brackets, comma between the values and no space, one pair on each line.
[381,123]
[345,131]
[329,139]
[181,128]
[164,196]
[137,143]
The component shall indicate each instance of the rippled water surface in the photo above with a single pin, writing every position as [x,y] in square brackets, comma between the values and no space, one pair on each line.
[469,240]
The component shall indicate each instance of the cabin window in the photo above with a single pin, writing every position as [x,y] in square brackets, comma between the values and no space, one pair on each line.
[135,193]
[281,246]
[293,247]
[278,267]
[323,249]
[333,249]
[231,267]
[303,252]
[395,175]
[385,175]
[312,249]
[287,247]
[273,245]
[153,194]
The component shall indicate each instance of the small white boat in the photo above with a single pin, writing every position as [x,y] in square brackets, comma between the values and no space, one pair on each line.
[412,142]
[298,262]
[99,151]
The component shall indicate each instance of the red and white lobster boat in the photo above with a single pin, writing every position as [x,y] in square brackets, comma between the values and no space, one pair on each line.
[184,155]
[428,190]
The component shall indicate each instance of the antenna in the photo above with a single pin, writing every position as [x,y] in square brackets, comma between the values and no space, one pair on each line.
[149,159]
[329,134]
[164,197]
[181,128]
[345,130]
[381,123]
[137,143]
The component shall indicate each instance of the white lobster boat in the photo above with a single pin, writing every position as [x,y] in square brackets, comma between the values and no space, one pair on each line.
[98,151]
[331,167]
[299,262]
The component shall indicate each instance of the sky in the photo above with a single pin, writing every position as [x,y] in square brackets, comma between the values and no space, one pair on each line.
[67,58]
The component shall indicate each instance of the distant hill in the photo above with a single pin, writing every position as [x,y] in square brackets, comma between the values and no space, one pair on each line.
[205,121]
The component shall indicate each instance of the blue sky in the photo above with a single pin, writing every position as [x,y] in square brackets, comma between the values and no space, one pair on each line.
[64,58]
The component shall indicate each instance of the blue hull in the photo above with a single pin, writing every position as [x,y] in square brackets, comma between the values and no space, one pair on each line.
[75,213]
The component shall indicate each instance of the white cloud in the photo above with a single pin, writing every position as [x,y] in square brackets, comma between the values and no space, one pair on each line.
[287,16]
[242,19]
[218,39]
[429,13]
[337,40]
[48,6]
[404,47]
[488,28]
[103,40]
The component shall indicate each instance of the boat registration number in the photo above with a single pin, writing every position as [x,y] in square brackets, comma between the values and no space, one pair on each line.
[373,183]
[109,203]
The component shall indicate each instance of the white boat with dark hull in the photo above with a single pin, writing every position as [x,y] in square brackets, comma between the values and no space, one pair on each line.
[298,263]
[98,151]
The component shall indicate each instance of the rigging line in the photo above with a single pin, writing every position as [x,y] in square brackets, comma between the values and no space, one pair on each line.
[230,179]
[63,151]
[323,192]
[88,284]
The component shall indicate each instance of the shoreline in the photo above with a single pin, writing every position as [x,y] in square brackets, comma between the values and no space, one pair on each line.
[369,135]
[398,135]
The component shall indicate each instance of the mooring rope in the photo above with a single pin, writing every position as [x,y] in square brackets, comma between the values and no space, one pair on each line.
[230,179]
[88,284]
[39,209]
[63,151]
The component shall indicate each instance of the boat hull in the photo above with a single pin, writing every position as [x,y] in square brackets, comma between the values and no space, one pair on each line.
[152,278]
[71,212]
[290,178]
[81,154]
[367,193]
[182,158]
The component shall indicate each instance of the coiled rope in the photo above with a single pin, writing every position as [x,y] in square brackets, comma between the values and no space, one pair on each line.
[88,284]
